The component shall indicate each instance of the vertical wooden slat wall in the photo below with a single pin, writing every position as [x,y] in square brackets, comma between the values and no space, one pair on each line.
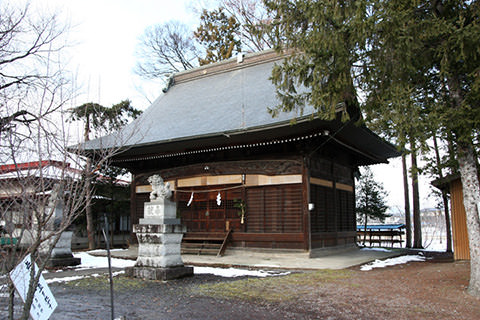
[274,209]
[461,249]
[205,214]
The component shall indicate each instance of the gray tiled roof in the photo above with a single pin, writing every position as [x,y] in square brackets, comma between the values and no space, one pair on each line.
[214,103]
[227,99]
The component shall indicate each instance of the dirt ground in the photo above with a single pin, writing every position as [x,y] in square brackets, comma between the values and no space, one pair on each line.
[417,290]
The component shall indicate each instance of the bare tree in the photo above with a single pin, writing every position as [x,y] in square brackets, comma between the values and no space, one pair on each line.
[171,47]
[165,49]
[44,173]
[254,20]
[28,207]
[27,42]
[32,191]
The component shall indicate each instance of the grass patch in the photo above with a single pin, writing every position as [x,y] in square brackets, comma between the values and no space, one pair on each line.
[272,289]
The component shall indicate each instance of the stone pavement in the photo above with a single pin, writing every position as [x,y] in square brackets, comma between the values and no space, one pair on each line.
[255,258]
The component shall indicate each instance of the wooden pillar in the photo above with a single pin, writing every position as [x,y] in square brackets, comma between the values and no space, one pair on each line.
[133,206]
[307,232]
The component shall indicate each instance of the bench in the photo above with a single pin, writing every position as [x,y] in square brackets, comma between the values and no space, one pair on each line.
[7,241]
[381,234]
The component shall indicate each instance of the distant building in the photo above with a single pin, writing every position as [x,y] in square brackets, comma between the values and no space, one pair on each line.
[31,183]
[24,184]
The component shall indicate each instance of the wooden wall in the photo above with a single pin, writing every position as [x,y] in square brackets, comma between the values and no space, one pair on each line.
[332,219]
[461,248]
[276,192]
[272,191]
[332,193]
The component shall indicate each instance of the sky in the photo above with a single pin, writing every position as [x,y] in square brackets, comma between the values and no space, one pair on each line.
[104,35]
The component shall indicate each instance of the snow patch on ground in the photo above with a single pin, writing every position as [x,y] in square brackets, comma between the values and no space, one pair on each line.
[376,249]
[89,261]
[68,279]
[234,272]
[391,262]
[103,250]
[73,278]
[435,245]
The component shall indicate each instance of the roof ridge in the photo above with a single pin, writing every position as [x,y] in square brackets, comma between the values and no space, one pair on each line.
[249,59]
[5,168]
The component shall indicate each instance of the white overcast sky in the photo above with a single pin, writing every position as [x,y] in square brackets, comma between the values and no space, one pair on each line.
[104,35]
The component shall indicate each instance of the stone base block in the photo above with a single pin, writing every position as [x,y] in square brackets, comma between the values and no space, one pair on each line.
[63,261]
[151,273]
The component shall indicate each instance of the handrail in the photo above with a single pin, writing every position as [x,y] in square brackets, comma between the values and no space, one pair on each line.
[224,244]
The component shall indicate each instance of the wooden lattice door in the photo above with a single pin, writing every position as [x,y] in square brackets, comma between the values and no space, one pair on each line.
[205,214]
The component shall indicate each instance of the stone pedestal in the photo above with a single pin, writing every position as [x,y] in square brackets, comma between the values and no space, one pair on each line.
[61,255]
[160,211]
[163,274]
[62,252]
[159,245]
[159,235]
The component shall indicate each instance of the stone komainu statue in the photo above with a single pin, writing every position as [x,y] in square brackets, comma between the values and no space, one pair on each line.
[160,190]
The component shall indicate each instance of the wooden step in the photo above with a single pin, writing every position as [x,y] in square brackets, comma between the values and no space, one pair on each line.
[200,245]
[192,239]
[204,243]
[200,251]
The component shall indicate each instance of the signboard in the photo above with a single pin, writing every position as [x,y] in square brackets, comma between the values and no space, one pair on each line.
[43,303]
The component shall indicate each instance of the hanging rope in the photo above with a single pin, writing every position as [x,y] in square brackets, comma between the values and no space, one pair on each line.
[210,190]
[190,201]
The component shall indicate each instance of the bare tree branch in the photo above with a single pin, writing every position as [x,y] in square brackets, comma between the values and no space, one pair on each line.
[165,49]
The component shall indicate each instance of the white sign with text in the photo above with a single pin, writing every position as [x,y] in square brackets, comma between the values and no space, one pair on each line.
[44,302]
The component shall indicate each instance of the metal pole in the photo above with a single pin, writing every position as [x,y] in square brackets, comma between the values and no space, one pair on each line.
[478,209]
[11,304]
[107,244]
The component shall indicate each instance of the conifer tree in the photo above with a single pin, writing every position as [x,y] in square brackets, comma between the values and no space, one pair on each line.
[217,33]
[99,119]
[370,199]
[416,62]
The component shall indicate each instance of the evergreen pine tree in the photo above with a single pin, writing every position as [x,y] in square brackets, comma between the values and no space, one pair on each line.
[100,119]
[217,33]
[416,62]
[370,200]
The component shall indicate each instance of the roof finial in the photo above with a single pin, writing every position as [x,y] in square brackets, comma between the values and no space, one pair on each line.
[170,83]
[240,56]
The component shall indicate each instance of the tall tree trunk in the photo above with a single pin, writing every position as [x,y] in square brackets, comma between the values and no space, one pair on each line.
[88,205]
[471,201]
[467,163]
[365,230]
[417,223]
[448,225]
[408,220]
[448,229]
[89,194]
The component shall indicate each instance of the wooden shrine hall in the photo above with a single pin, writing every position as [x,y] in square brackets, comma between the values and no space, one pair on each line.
[284,182]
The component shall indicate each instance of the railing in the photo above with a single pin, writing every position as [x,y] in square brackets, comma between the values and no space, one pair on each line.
[224,244]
